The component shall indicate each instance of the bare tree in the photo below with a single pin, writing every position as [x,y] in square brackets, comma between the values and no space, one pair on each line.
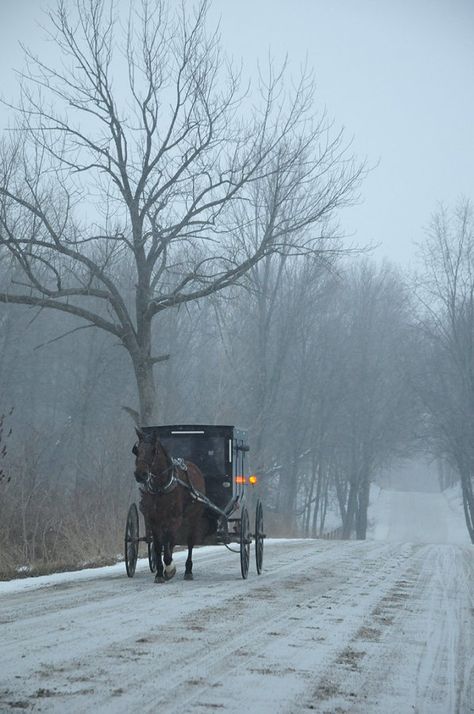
[136,153]
[374,415]
[446,380]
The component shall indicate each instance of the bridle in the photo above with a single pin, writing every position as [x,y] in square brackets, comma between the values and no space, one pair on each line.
[150,486]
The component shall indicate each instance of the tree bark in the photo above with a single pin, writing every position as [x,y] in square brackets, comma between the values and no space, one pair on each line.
[349,517]
[143,368]
[362,508]
[468,502]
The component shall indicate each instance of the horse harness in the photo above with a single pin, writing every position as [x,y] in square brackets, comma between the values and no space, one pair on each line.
[177,465]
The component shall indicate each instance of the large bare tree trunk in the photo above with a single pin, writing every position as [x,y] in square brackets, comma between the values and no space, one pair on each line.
[146,392]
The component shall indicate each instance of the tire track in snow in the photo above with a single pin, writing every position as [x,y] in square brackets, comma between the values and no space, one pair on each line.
[328,624]
[414,652]
[329,635]
[86,648]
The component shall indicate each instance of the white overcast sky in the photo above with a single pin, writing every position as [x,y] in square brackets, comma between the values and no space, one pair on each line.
[397,74]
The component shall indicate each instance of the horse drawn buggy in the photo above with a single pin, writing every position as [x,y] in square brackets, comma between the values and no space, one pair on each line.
[194,490]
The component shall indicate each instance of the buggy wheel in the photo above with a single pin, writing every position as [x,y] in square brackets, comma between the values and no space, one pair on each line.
[152,556]
[259,536]
[245,540]
[131,540]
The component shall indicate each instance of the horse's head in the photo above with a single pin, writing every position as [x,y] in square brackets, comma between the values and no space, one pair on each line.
[144,451]
[151,459]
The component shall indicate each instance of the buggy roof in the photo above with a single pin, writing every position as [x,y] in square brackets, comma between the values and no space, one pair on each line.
[224,430]
[190,427]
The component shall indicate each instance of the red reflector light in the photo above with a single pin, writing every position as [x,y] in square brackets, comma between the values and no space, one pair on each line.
[253,480]
[240,479]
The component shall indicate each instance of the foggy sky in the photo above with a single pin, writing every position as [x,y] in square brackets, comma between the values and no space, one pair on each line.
[398,74]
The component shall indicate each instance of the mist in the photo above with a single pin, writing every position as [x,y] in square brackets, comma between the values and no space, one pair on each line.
[128,297]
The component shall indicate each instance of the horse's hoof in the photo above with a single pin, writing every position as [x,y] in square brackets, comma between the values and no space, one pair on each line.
[188,576]
[170,572]
[159,579]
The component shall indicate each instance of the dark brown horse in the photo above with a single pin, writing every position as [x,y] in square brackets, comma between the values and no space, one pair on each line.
[168,502]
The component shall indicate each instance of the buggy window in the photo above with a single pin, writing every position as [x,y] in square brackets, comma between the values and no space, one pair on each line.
[207,452]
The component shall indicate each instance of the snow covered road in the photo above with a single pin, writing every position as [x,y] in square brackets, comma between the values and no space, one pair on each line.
[417,517]
[328,627]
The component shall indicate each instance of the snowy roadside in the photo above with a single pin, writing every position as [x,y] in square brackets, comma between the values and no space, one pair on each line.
[108,571]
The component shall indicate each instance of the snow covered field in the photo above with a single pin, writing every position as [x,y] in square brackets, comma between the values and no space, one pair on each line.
[379,626]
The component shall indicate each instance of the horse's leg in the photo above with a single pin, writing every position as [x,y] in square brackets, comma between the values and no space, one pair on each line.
[195,536]
[170,567]
[188,574]
[159,577]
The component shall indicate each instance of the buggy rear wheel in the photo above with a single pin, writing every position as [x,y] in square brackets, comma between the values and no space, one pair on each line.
[131,540]
[259,536]
[151,556]
[245,541]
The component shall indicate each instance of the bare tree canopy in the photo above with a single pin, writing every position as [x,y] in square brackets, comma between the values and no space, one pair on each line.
[142,176]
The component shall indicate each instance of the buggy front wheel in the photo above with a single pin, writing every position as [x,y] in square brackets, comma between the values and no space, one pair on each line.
[131,540]
[245,540]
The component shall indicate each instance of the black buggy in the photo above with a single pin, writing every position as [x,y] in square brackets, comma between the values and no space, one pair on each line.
[220,453]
